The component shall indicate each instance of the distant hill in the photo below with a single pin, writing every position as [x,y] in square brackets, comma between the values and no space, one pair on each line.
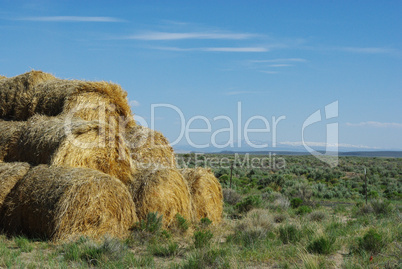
[291,150]
[394,154]
[391,154]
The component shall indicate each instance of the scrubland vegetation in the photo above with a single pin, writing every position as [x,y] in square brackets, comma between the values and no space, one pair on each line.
[299,213]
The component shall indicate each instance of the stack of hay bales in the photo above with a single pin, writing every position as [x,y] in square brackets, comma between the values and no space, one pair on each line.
[74,162]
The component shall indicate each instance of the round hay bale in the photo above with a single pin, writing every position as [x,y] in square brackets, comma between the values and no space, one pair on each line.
[85,99]
[63,203]
[163,191]
[149,147]
[73,143]
[16,94]
[10,132]
[206,193]
[37,92]
[10,174]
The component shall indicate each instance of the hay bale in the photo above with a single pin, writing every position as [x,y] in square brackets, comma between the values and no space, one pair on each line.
[149,147]
[206,193]
[62,203]
[10,131]
[16,94]
[85,99]
[163,191]
[73,143]
[10,174]
[36,92]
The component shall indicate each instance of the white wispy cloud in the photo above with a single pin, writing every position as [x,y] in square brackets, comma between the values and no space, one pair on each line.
[357,50]
[367,50]
[279,60]
[280,65]
[70,19]
[376,124]
[188,35]
[269,72]
[173,48]
[216,49]
[134,103]
[238,49]
[175,23]
[241,92]
[324,144]
[263,65]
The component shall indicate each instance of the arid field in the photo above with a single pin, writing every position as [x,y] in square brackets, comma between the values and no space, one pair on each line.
[303,215]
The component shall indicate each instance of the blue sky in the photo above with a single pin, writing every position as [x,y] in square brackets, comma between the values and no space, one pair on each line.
[277,58]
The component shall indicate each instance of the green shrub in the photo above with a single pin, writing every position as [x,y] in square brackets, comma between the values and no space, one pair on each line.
[336,228]
[381,207]
[202,238]
[322,245]
[211,258]
[93,253]
[289,234]
[278,201]
[372,242]
[152,224]
[339,209]
[224,179]
[24,244]
[249,203]
[171,249]
[304,209]
[317,216]
[279,218]
[253,229]
[182,223]
[377,207]
[251,237]
[166,234]
[296,202]
[71,251]
[231,196]
[363,209]
[9,258]
[267,191]
[138,262]
[373,194]
[205,222]
[111,249]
